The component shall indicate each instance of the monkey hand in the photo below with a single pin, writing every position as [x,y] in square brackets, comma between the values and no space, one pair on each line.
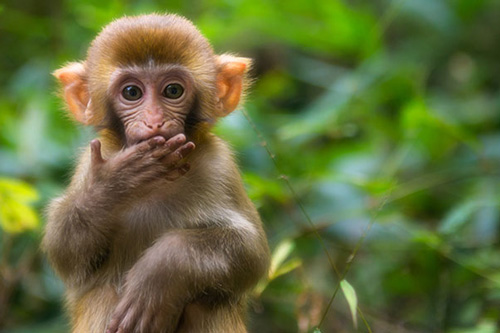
[147,305]
[138,165]
[137,314]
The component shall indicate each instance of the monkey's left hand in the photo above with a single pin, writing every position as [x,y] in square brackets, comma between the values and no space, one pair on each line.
[145,311]
[154,294]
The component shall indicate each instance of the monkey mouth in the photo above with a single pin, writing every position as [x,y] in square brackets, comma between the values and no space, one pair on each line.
[136,142]
[167,135]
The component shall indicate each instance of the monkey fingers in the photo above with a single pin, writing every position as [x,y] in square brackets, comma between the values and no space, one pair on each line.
[148,145]
[123,318]
[176,140]
[168,147]
[95,151]
[129,155]
[133,314]
[135,154]
[177,155]
[174,162]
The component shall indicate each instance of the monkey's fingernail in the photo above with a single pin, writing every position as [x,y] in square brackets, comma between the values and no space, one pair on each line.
[157,140]
[95,149]
[176,140]
[95,145]
[186,149]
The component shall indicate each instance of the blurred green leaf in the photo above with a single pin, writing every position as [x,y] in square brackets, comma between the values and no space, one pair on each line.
[352,300]
[485,326]
[15,213]
[427,237]
[287,267]
[462,214]
[279,255]
[420,122]
[258,187]
[278,265]
[17,190]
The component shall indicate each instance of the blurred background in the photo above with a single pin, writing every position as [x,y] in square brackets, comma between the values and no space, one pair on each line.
[370,143]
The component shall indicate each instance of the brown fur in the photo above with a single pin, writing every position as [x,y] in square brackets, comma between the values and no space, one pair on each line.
[138,251]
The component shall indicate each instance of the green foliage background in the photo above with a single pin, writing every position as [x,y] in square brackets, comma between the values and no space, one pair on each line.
[382,115]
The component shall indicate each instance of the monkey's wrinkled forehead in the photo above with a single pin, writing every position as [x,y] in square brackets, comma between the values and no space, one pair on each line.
[142,39]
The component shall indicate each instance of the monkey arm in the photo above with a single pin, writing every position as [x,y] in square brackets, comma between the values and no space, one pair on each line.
[211,264]
[220,260]
[82,224]
[79,230]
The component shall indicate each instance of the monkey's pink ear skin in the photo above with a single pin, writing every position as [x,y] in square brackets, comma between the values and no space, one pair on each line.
[72,78]
[230,82]
[95,152]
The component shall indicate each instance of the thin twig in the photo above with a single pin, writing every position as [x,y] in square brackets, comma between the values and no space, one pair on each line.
[353,255]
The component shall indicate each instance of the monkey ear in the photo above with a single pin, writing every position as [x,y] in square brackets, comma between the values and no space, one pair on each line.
[230,82]
[74,82]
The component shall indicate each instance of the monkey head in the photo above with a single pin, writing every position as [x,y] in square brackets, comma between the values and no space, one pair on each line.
[152,75]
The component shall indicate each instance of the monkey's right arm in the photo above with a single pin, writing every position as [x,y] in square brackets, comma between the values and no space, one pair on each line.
[82,222]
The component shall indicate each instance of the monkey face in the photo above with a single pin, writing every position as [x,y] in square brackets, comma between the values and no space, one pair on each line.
[152,75]
[151,101]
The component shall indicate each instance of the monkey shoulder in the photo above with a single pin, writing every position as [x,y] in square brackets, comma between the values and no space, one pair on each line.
[216,179]
[214,153]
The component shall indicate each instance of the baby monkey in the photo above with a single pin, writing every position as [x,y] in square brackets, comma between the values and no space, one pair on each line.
[155,232]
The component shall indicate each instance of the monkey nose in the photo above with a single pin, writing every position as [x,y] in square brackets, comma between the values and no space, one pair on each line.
[154,125]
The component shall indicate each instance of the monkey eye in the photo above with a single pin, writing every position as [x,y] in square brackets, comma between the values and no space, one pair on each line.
[173,91]
[132,93]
